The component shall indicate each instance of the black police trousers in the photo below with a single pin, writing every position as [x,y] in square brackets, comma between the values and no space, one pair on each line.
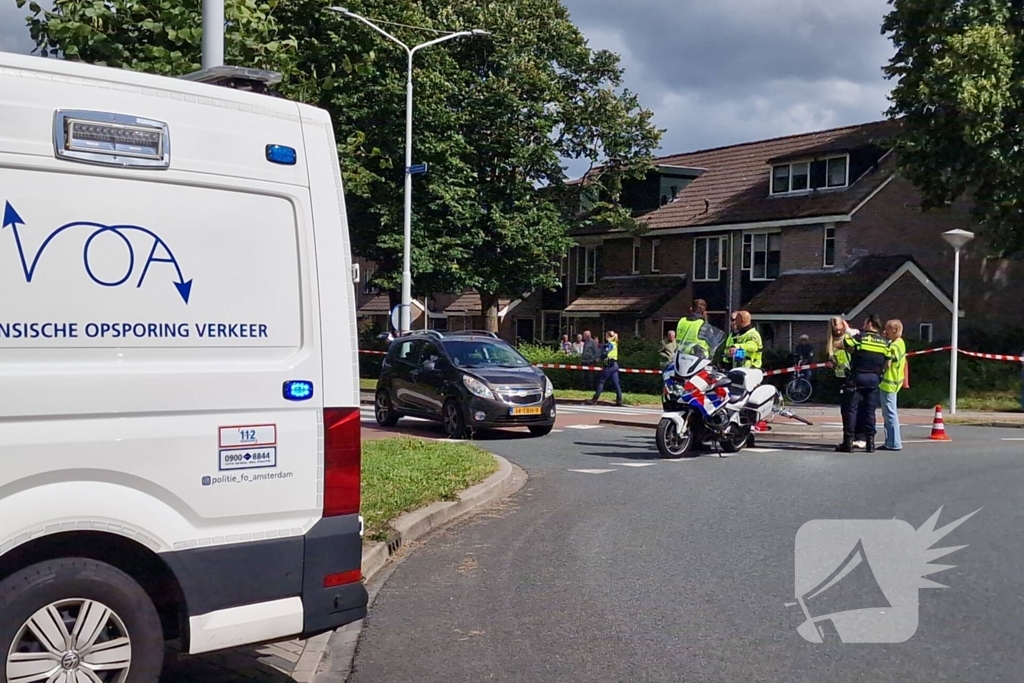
[859,405]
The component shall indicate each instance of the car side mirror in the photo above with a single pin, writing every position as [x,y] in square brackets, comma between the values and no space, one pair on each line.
[429,366]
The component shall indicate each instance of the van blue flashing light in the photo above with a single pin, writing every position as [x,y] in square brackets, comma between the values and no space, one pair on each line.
[298,390]
[282,154]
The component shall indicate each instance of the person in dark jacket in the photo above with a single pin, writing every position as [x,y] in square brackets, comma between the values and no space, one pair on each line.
[590,356]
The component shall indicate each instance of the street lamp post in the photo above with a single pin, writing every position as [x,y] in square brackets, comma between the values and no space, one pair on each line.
[956,239]
[406,307]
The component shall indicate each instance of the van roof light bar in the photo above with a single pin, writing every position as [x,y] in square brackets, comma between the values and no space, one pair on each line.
[237,77]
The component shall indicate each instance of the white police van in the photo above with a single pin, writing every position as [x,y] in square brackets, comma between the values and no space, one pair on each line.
[179,420]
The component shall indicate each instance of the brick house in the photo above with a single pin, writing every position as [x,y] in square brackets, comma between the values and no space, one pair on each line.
[796,230]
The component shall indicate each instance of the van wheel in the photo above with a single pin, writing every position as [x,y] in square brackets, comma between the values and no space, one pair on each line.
[384,410]
[75,619]
[453,419]
[541,430]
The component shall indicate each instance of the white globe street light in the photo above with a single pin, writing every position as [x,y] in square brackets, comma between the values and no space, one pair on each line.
[956,239]
[405,315]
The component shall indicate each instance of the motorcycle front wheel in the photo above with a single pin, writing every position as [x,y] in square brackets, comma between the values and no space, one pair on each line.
[673,444]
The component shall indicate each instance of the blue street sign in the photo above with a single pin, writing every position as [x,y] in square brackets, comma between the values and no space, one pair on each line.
[417,169]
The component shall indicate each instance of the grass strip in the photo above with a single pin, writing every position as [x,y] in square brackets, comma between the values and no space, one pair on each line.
[403,474]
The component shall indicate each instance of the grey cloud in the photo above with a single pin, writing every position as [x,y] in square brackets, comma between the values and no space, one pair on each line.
[13,31]
[737,70]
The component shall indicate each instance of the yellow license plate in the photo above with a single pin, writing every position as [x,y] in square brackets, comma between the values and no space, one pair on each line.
[526,411]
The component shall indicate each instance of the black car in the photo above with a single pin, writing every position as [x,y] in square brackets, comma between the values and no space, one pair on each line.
[467,380]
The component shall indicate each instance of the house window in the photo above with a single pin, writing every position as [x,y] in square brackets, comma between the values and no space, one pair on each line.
[837,172]
[830,246]
[655,256]
[925,332]
[586,265]
[709,258]
[762,255]
[801,176]
[780,179]
[638,328]
[636,257]
[552,328]
[369,287]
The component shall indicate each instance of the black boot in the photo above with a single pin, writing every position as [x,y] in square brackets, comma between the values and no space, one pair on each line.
[870,445]
[846,446]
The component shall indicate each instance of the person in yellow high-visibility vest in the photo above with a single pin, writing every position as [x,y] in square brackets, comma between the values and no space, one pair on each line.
[892,382]
[746,337]
[688,329]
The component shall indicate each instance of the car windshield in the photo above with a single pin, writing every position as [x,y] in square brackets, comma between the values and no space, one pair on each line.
[478,353]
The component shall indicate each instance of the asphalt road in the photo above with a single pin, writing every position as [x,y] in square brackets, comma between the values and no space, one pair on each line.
[681,570]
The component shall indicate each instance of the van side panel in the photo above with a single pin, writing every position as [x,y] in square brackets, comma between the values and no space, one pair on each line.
[149,322]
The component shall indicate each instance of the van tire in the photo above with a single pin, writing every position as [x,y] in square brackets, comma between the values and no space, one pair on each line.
[384,409]
[71,581]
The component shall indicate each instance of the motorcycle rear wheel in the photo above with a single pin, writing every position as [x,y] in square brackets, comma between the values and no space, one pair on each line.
[672,444]
[736,439]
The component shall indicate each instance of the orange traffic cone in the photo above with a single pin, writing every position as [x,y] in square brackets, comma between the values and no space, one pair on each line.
[939,427]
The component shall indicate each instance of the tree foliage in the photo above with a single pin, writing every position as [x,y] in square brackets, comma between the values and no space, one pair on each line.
[495,117]
[959,92]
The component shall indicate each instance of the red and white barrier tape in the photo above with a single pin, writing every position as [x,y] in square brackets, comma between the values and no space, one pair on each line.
[768,373]
[993,356]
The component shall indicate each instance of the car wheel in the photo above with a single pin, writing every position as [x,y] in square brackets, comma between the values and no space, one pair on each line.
[384,410]
[541,430]
[454,420]
[75,619]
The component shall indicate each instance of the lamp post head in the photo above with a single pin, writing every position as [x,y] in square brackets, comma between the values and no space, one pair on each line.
[480,32]
[340,10]
[957,238]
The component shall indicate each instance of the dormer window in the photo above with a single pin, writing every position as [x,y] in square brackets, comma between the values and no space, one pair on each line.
[801,176]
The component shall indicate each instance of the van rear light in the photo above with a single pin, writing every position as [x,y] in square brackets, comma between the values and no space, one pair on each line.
[342,578]
[342,456]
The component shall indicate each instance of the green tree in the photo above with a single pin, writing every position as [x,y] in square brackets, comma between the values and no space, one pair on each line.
[959,93]
[494,118]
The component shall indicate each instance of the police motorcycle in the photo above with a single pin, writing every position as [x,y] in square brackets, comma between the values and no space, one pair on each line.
[706,407]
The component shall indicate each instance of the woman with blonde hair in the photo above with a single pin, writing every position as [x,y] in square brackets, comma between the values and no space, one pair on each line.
[611,368]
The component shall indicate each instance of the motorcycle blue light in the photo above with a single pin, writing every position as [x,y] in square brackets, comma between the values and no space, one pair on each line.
[282,154]
[298,390]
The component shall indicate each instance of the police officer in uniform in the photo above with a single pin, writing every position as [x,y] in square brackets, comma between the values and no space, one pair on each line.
[744,336]
[869,358]
[689,328]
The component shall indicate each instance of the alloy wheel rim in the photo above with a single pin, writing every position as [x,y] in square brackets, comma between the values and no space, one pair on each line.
[71,641]
[450,420]
[382,408]
[675,441]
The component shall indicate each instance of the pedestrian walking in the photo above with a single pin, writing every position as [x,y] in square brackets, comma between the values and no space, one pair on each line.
[611,369]
[892,382]
[869,356]
[566,346]
[589,356]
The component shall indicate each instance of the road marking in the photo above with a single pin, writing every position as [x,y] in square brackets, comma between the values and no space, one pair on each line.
[557,431]
[762,450]
[592,471]
[583,426]
[633,464]
[1013,439]
[678,459]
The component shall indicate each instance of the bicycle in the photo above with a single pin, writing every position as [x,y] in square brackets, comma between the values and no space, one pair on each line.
[799,389]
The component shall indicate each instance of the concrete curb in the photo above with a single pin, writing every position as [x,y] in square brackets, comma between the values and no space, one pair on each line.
[409,527]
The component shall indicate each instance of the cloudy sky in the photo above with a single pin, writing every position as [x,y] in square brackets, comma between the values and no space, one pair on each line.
[720,71]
